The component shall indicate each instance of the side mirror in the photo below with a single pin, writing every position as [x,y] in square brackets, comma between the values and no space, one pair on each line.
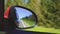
[26,18]
[21,17]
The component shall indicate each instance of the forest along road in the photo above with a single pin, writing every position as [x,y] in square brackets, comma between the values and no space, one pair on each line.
[23,24]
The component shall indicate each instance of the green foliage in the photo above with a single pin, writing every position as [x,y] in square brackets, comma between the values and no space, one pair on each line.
[30,18]
[29,22]
[49,10]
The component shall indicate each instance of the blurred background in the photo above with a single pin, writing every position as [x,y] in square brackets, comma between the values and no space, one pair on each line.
[47,11]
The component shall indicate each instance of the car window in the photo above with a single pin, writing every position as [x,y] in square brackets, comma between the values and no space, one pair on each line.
[47,11]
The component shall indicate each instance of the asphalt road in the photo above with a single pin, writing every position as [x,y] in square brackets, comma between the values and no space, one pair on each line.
[23,24]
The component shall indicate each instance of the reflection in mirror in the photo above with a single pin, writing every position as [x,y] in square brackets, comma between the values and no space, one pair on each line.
[25,18]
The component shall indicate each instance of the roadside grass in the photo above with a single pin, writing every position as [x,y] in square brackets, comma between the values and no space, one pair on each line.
[28,22]
[43,29]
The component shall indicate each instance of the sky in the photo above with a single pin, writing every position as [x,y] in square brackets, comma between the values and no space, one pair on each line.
[20,12]
[25,1]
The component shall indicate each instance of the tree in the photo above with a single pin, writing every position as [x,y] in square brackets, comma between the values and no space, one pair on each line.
[49,10]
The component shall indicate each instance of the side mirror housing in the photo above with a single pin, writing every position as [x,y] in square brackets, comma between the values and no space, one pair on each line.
[21,17]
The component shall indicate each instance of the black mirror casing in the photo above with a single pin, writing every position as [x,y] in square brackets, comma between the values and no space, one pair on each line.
[9,22]
[12,17]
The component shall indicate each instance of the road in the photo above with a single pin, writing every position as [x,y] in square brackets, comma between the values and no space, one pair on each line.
[23,24]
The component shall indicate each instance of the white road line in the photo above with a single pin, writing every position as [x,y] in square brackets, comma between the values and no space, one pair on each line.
[23,23]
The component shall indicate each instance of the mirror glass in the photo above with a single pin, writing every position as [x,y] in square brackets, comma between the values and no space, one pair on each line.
[25,18]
